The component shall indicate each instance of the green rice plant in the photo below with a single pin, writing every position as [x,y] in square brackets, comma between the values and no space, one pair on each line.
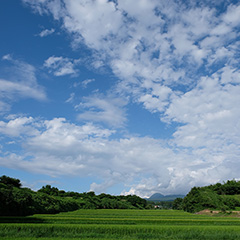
[47,230]
[118,231]
[120,224]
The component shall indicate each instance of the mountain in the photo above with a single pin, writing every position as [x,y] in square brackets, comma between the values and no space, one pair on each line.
[156,197]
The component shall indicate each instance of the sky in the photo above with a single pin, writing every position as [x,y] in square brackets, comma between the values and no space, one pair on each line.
[120,96]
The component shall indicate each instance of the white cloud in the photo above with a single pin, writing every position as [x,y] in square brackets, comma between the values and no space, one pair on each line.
[60,66]
[18,126]
[176,59]
[109,110]
[83,83]
[7,57]
[157,99]
[210,116]
[230,75]
[71,98]
[40,6]
[93,20]
[57,147]
[231,16]
[46,32]
[19,82]
[86,82]
[10,89]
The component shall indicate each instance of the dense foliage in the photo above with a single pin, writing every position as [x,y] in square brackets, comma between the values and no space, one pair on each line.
[218,196]
[18,201]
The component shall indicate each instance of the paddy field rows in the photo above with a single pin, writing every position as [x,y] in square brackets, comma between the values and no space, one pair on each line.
[120,224]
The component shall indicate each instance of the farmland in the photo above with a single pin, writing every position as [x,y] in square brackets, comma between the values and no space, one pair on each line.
[120,224]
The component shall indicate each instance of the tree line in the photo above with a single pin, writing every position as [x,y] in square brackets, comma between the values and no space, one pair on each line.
[18,201]
[218,196]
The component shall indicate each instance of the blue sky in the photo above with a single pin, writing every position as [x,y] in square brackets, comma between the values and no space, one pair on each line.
[121,97]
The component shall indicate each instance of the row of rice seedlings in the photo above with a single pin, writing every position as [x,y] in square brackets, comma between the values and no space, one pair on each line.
[115,213]
[119,224]
[118,231]
[133,221]
[136,217]
[140,214]
[132,217]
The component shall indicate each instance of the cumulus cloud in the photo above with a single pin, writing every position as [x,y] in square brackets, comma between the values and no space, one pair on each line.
[211,105]
[55,141]
[17,126]
[61,66]
[176,59]
[57,147]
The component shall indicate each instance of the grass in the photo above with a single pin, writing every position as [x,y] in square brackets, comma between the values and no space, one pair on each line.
[120,224]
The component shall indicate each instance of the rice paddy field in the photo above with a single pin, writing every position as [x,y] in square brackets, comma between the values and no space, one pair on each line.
[120,224]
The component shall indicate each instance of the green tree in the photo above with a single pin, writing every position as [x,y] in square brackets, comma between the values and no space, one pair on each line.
[202,198]
[177,204]
[48,189]
[136,201]
[13,182]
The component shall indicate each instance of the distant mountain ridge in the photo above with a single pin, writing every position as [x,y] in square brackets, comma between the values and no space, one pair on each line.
[160,197]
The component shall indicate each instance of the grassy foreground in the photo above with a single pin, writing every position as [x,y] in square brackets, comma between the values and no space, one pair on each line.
[120,224]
